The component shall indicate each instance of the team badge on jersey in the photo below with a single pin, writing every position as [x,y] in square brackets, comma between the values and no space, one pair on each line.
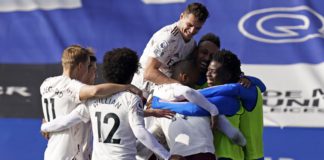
[139,109]
[164,44]
[159,50]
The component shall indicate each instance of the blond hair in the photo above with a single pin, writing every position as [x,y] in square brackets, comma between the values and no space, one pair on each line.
[75,54]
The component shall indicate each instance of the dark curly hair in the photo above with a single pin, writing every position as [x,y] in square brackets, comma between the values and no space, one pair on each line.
[211,38]
[206,37]
[231,66]
[119,65]
[198,10]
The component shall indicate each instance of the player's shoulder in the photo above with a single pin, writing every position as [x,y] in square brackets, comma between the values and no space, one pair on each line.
[128,99]
[48,79]
[58,78]
[166,86]
[128,96]
[175,85]
[168,32]
[171,29]
[60,81]
[51,80]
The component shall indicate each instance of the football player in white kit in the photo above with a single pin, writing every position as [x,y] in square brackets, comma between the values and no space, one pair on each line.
[85,130]
[118,120]
[61,94]
[167,46]
[189,136]
[184,135]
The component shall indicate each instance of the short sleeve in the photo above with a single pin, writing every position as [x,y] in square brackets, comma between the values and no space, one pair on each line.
[74,89]
[162,46]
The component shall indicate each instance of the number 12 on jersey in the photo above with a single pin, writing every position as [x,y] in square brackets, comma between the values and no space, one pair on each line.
[109,138]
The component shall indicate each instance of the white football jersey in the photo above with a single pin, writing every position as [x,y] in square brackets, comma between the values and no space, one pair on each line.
[113,137]
[167,46]
[85,134]
[167,91]
[187,135]
[60,95]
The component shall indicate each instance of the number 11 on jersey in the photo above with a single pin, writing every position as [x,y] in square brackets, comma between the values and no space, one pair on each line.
[49,105]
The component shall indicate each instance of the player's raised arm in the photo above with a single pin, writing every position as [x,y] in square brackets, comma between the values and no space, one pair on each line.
[195,97]
[106,90]
[153,74]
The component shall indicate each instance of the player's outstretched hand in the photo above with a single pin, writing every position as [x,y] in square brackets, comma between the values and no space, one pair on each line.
[213,122]
[134,90]
[177,157]
[159,113]
[45,134]
[245,82]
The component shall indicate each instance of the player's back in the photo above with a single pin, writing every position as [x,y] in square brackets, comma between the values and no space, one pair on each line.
[84,135]
[187,135]
[60,95]
[113,137]
[166,92]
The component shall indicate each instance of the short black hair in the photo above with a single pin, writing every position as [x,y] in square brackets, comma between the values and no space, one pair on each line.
[231,65]
[119,65]
[185,66]
[211,38]
[93,59]
[198,10]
